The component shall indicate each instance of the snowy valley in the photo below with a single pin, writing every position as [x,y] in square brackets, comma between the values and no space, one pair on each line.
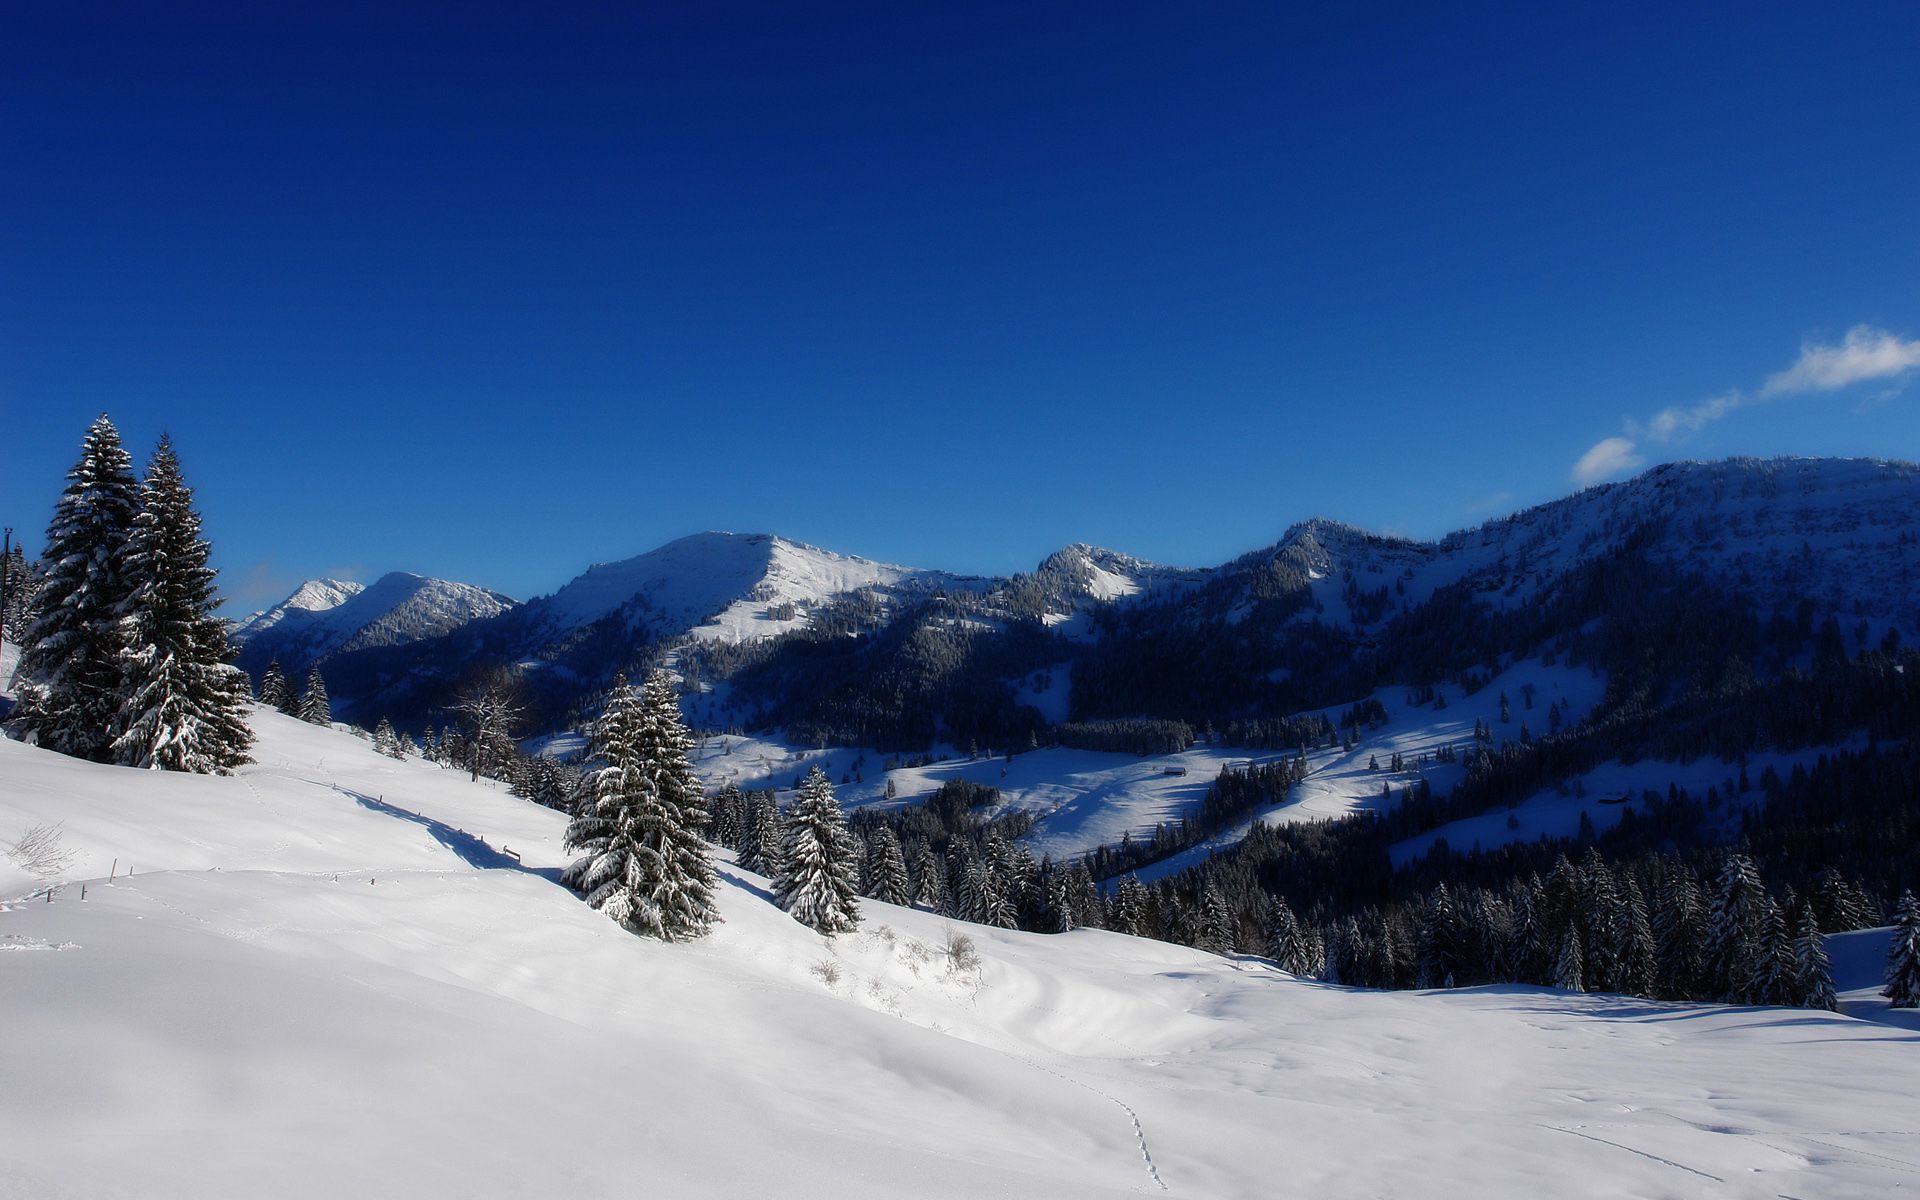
[335,972]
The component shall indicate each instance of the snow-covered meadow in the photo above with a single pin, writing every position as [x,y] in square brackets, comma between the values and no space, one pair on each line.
[337,973]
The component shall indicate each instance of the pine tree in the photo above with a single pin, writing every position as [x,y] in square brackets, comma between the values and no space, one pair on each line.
[886,872]
[1567,962]
[1736,931]
[927,879]
[71,679]
[275,691]
[761,834]
[729,812]
[1216,931]
[1773,972]
[184,706]
[315,709]
[1129,906]
[1903,957]
[1812,973]
[1680,934]
[815,883]
[1287,942]
[1437,950]
[383,739]
[1638,965]
[639,818]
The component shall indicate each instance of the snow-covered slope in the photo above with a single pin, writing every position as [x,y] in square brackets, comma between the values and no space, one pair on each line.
[331,976]
[328,617]
[310,599]
[1839,532]
[724,586]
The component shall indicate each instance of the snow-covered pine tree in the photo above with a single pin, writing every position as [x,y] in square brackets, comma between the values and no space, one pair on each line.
[1736,931]
[815,883]
[275,691]
[761,834]
[928,881]
[71,682]
[1812,972]
[727,814]
[1903,957]
[1437,948]
[1567,974]
[683,880]
[1525,958]
[1773,978]
[383,737]
[315,709]
[1286,944]
[1217,926]
[1129,906]
[638,815]
[18,582]
[1679,934]
[184,705]
[1638,965]
[886,868]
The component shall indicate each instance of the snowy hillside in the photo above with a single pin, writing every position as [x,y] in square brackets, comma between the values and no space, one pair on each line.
[1837,531]
[327,617]
[311,598]
[340,974]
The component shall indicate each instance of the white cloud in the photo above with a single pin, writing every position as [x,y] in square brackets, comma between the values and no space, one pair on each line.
[1671,421]
[1609,456]
[1865,353]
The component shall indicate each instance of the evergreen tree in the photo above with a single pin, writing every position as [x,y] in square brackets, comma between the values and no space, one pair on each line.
[1736,931]
[1437,951]
[71,679]
[761,834]
[639,818]
[927,879]
[275,691]
[818,857]
[1773,978]
[1638,965]
[184,706]
[886,872]
[1567,962]
[729,814]
[1288,945]
[1812,973]
[315,709]
[1903,957]
[1129,906]
[1216,930]
[1680,936]
[383,737]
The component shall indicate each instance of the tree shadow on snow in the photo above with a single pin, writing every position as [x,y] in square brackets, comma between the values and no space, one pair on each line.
[471,848]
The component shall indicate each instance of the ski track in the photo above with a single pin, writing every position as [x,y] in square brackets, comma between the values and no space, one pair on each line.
[1630,1150]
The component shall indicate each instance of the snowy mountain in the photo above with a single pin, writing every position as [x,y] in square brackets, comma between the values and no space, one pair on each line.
[310,599]
[327,617]
[725,587]
[341,974]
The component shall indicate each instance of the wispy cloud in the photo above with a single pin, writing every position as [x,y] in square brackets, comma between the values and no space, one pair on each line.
[1498,501]
[1609,456]
[1864,355]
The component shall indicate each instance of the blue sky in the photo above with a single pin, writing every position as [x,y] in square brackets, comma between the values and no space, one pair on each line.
[492,294]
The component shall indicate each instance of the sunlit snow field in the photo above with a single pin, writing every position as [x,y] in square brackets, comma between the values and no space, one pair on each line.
[341,974]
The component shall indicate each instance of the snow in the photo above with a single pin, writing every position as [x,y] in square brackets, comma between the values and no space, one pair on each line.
[312,597]
[325,617]
[327,977]
[721,586]
[1082,799]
